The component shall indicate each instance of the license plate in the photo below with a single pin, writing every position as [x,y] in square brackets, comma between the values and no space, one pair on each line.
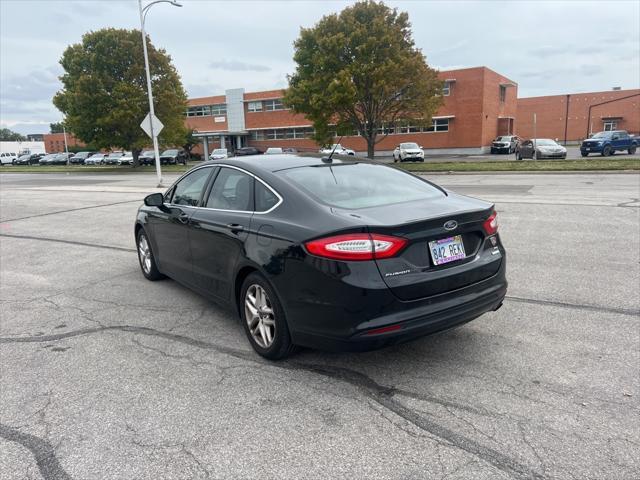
[447,250]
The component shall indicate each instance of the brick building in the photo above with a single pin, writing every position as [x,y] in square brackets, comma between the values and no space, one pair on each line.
[54,142]
[479,104]
[572,117]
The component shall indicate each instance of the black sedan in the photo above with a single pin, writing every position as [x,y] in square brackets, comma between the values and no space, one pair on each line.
[173,157]
[330,254]
[29,159]
[147,157]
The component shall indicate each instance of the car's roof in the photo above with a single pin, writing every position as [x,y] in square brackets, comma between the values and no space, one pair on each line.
[273,163]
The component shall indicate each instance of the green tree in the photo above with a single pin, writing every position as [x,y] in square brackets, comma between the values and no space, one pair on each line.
[7,135]
[56,127]
[190,141]
[104,95]
[360,70]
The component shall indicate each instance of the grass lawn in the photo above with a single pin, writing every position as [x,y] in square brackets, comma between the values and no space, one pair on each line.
[609,163]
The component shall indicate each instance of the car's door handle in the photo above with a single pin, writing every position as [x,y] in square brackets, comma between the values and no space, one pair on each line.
[183,218]
[235,227]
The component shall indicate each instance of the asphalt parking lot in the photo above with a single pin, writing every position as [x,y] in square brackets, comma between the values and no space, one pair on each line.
[105,375]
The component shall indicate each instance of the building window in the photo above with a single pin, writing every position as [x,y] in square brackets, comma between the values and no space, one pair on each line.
[207,110]
[257,135]
[254,106]
[273,105]
[438,125]
[199,111]
[219,109]
[610,125]
[446,89]
[279,134]
[503,93]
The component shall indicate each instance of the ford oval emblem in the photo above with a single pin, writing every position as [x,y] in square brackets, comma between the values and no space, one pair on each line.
[451,225]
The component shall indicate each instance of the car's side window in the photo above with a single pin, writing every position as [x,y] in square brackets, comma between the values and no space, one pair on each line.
[265,198]
[232,190]
[189,190]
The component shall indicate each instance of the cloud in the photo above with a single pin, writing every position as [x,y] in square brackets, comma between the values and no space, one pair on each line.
[236,66]
[590,70]
[548,51]
[203,90]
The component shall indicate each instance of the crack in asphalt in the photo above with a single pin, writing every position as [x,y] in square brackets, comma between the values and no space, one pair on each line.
[68,242]
[380,394]
[67,211]
[43,451]
[579,306]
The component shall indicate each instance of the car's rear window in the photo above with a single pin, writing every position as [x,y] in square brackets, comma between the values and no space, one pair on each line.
[360,185]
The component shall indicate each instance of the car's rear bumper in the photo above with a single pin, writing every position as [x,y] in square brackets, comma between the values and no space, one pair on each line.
[425,320]
[348,318]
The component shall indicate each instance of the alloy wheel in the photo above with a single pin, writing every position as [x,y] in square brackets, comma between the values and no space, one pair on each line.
[259,315]
[144,252]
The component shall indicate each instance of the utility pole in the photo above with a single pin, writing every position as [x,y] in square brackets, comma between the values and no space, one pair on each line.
[66,148]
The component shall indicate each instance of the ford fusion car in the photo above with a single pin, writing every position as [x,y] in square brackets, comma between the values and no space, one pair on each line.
[325,253]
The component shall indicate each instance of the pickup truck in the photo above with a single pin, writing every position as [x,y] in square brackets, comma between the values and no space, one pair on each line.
[607,143]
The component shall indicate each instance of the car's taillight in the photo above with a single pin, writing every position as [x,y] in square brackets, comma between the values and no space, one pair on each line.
[356,246]
[490,225]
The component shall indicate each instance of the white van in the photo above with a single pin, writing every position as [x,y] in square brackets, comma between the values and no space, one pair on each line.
[7,158]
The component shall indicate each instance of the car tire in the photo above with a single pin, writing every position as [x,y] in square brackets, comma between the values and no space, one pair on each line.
[632,150]
[606,151]
[584,154]
[263,318]
[146,258]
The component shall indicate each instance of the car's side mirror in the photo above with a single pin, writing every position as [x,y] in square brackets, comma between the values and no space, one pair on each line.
[154,200]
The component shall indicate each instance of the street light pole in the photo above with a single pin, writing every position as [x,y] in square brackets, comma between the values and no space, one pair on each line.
[154,136]
[66,148]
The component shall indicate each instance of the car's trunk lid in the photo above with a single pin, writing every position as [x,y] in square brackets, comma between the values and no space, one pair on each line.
[412,274]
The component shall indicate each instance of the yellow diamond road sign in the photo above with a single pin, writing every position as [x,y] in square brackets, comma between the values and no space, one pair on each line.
[146,125]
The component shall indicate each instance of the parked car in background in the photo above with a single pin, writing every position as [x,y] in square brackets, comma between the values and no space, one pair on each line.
[126,159]
[355,257]
[608,143]
[339,150]
[274,151]
[173,156]
[247,151]
[29,159]
[289,151]
[47,159]
[7,158]
[147,157]
[96,159]
[80,157]
[506,144]
[218,154]
[539,148]
[113,157]
[61,159]
[408,152]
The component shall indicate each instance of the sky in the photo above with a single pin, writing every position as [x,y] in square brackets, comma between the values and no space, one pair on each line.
[547,47]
